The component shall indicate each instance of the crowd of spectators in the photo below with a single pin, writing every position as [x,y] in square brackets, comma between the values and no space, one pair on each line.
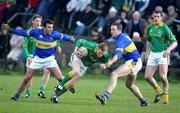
[94,17]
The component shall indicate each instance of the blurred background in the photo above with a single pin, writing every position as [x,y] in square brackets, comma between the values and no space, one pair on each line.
[87,19]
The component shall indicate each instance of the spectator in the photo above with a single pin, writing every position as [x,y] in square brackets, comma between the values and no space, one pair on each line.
[85,18]
[73,8]
[16,43]
[171,15]
[96,36]
[45,9]
[111,18]
[136,24]
[138,42]
[102,8]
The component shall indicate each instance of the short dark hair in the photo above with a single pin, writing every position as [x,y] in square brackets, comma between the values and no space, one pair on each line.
[36,16]
[118,24]
[103,46]
[95,29]
[158,11]
[47,21]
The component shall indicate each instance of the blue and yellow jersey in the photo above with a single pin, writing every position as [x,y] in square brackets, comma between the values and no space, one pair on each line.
[46,44]
[125,48]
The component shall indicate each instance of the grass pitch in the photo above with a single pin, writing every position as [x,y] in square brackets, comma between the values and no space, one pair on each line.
[83,101]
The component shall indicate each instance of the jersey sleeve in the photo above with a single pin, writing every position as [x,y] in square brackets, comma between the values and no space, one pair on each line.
[120,45]
[147,34]
[25,47]
[21,32]
[170,35]
[64,37]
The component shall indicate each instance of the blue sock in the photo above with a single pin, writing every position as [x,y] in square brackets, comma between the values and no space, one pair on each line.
[143,101]
[17,95]
[106,95]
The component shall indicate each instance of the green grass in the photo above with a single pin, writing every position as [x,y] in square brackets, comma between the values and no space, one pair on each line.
[83,101]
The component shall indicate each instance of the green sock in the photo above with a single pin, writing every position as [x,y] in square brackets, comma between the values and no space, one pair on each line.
[66,79]
[28,91]
[63,84]
[42,88]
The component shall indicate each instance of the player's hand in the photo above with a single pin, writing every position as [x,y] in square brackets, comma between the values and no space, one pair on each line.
[103,66]
[58,50]
[109,64]
[166,53]
[72,40]
[5,27]
[29,60]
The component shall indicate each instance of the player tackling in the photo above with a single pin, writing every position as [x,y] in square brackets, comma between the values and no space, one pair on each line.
[124,48]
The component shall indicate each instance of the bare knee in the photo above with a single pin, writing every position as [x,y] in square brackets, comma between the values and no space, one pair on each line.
[164,79]
[114,75]
[147,77]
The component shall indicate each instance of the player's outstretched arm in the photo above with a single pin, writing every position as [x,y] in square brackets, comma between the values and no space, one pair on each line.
[15,31]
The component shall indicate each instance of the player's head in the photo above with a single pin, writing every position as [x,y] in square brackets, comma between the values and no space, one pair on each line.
[157,16]
[48,26]
[36,21]
[116,29]
[101,48]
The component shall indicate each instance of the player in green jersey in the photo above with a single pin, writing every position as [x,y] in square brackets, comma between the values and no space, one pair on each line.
[96,53]
[160,43]
[28,49]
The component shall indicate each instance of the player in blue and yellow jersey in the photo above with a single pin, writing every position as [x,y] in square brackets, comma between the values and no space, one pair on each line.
[29,46]
[46,44]
[160,43]
[124,48]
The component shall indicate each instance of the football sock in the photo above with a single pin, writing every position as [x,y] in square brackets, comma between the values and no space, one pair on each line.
[106,95]
[165,97]
[42,88]
[28,91]
[17,95]
[67,78]
[157,89]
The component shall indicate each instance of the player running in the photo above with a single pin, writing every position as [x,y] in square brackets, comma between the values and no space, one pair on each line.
[80,60]
[46,44]
[28,50]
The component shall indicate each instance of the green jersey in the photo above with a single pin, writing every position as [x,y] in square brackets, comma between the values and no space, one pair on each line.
[29,46]
[91,58]
[160,37]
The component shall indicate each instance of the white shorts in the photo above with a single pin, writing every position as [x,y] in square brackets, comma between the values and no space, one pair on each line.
[157,58]
[39,63]
[135,66]
[75,58]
